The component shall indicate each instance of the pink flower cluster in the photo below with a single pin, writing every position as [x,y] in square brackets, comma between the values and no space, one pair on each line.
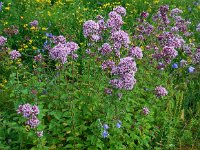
[29,112]
[125,70]
[14,54]
[135,52]
[62,51]
[160,91]
[3,40]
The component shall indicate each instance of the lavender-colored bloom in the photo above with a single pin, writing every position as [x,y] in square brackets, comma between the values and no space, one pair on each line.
[136,52]
[120,10]
[105,134]
[14,54]
[34,23]
[108,64]
[160,91]
[175,66]
[145,111]
[95,37]
[191,69]
[3,40]
[40,133]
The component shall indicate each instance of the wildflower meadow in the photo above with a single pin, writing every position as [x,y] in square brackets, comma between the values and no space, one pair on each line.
[99,75]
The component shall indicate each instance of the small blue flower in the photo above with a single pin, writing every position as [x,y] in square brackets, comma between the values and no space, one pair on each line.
[49,35]
[175,66]
[119,124]
[191,69]
[105,126]
[105,134]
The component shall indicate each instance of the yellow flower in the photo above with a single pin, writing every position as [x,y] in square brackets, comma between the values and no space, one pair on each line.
[20,49]
[156,1]
[33,28]
[198,6]
[5,23]
[25,25]
[22,17]
[34,48]
[30,41]
[7,8]
[49,13]
[44,29]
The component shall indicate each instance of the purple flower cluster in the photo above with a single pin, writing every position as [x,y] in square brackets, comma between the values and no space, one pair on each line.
[14,54]
[58,39]
[29,112]
[120,10]
[120,38]
[108,64]
[40,133]
[160,91]
[198,28]
[125,70]
[90,28]
[34,23]
[114,21]
[3,40]
[1,5]
[145,111]
[38,58]
[175,12]
[62,51]
[105,49]
[196,57]
[135,52]
[169,53]
[144,14]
